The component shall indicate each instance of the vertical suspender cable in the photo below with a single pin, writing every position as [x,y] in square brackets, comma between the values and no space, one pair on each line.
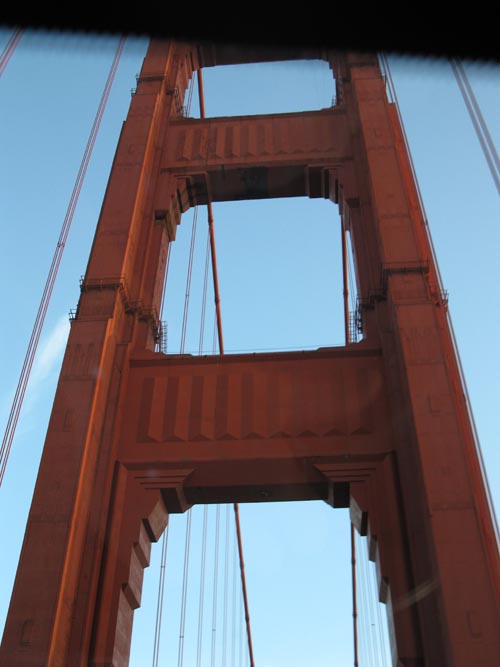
[221,350]
[233,619]
[216,573]
[345,281]
[56,260]
[159,607]
[204,298]
[205,509]
[354,593]
[370,650]
[10,48]
[180,656]
[167,264]
[188,518]
[243,583]
[211,232]
[240,642]
[347,341]
[226,575]
[381,635]
[202,586]
[188,281]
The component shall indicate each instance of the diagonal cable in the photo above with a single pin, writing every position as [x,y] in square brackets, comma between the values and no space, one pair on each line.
[56,260]
[10,48]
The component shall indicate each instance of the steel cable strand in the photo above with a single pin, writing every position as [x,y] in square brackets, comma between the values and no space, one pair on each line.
[233,615]
[167,264]
[188,282]
[49,284]
[354,597]
[477,120]
[64,234]
[226,574]
[382,637]
[465,390]
[373,605]
[190,96]
[185,577]
[371,613]
[368,636]
[10,48]
[242,623]
[202,585]
[204,298]
[480,117]
[159,607]
[215,586]
[221,350]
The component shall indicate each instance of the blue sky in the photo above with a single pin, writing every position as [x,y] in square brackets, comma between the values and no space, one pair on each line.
[296,556]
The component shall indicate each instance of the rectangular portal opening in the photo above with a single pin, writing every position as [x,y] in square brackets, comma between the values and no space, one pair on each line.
[299,587]
[264,88]
[279,272]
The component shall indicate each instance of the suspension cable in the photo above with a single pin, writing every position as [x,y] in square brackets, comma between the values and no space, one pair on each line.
[204,297]
[221,351]
[190,96]
[216,574]
[392,89]
[354,594]
[482,132]
[345,281]
[345,290]
[188,281]
[211,231]
[202,585]
[56,260]
[381,635]
[167,264]
[233,618]
[159,607]
[226,575]
[10,48]
[185,577]
[370,650]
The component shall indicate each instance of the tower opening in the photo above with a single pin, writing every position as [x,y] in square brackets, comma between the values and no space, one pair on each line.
[280,277]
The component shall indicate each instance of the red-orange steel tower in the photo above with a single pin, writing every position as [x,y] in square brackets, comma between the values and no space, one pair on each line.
[381,426]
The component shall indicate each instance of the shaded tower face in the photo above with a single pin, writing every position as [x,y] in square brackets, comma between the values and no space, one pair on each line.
[379,426]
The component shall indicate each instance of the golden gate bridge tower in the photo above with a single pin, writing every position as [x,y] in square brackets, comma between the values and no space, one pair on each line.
[380,426]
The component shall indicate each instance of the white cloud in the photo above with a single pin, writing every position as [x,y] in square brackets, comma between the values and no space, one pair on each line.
[50,353]
[42,381]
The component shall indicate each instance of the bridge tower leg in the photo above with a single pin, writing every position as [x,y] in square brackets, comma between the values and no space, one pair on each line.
[380,426]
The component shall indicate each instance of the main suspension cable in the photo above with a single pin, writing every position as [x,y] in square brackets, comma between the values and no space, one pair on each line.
[56,260]
[484,474]
[476,116]
[221,351]
[10,48]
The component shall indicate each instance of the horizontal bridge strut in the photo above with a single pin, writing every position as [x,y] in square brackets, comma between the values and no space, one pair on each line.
[254,427]
[254,157]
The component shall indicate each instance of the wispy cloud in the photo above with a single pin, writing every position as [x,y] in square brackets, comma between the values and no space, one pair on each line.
[49,354]
[42,379]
